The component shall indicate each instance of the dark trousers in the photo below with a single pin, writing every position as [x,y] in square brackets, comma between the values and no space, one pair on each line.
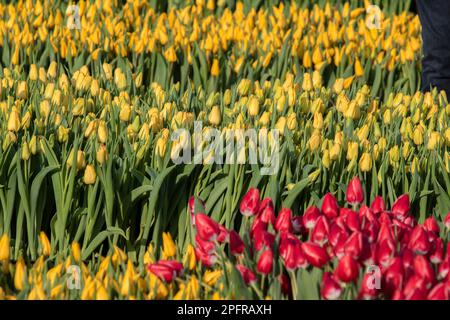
[435,19]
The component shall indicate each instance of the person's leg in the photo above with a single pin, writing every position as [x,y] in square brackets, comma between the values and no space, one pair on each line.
[435,19]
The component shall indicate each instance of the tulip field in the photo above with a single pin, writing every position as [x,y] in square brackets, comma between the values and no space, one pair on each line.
[94,205]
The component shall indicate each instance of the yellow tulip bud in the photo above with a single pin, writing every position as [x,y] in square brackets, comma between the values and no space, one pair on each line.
[45,244]
[418,136]
[63,134]
[52,70]
[359,71]
[169,247]
[22,90]
[338,86]
[33,145]
[307,82]
[95,88]
[44,109]
[335,151]
[190,260]
[4,247]
[394,155]
[25,151]
[434,140]
[352,151]
[318,121]
[253,106]
[326,159]
[107,69]
[365,163]
[101,154]
[89,174]
[14,120]
[20,274]
[281,125]
[244,87]
[214,116]
[161,147]
[81,162]
[76,252]
[125,113]
[33,74]
[292,121]
[315,141]
[227,97]
[215,68]
[317,79]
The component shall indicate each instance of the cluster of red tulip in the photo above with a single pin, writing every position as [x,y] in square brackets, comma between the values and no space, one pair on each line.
[409,259]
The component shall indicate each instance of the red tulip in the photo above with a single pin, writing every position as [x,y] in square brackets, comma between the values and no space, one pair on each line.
[206,246]
[336,234]
[385,253]
[330,289]
[224,235]
[415,288]
[285,284]
[339,248]
[354,245]
[430,224]
[310,217]
[315,254]
[394,276]
[250,203]
[365,213]
[191,203]
[265,262]
[352,220]
[423,268]
[247,275]
[407,258]
[439,292]
[418,241]
[347,269]
[284,221]
[368,288]
[400,208]
[355,193]
[370,230]
[437,254]
[175,265]
[257,226]
[165,270]
[330,206]
[206,227]
[320,232]
[266,202]
[237,246]
[262,239]
[378,205]
[385,218]
[267,215]
[447,221]
[291,252]
[206,259]
[385,233]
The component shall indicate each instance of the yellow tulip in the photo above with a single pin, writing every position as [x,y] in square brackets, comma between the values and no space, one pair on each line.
[90,176]
[365,163]
[169,247]
[4,248]
[45,244]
